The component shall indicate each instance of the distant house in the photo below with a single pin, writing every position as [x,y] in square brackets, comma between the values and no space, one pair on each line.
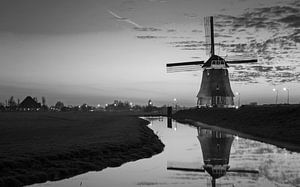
[29,104]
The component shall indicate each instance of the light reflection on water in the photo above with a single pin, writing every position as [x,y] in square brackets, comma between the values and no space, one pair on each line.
[276,166]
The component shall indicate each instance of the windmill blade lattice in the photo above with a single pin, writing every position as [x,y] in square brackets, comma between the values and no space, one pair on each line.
[243,171]
[207,28]
[241,61]
[184,66]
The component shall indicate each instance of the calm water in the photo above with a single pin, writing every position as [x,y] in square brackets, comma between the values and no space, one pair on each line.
[190,147]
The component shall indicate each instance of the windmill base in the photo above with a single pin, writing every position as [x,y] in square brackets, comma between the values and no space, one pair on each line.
[215,101]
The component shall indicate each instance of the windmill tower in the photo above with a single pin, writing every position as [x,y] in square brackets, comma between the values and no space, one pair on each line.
[215,89]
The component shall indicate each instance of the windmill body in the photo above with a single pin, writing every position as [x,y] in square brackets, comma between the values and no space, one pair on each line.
[215,89]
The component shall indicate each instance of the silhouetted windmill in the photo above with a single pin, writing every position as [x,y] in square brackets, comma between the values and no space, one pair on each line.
[215,87]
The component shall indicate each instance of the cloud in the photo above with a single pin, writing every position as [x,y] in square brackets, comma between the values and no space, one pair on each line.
[197,31]
[147,29]
[191,15]
[265,17]
[291,20]
[150,37]
[159,1]
[282,77]
[222,35]
[262,68]
[296,3]
[187,44]
[119,18]
[171,30]
[191,49]
[244,76]
[284,68]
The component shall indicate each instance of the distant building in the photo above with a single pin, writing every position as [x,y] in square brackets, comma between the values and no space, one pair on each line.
[253,103]
[29,104]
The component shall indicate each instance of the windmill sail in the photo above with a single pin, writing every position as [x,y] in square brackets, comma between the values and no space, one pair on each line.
[185,166]
[241,61]
[184,66]
[209,35]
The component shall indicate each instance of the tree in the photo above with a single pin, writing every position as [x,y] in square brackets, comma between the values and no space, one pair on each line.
[59,105]
[2,108]
[85,107]
[44,106]
[43,101]
[36,100]
[12,103]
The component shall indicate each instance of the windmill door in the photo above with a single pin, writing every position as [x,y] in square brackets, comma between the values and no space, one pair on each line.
[218,100]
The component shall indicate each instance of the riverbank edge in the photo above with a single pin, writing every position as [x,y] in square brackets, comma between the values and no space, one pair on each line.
[92,158]
[285,145]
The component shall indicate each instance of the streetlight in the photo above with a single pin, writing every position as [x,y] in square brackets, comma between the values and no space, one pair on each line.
[274,90]
[239,101]
[175,104]
[288,96]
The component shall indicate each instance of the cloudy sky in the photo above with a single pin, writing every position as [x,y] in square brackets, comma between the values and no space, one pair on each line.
[95,51]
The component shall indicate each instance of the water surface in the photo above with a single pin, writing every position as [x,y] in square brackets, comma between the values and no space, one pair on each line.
[275,166]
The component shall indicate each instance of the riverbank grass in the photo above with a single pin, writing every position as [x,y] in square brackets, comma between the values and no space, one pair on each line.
[273,123]
[36,147]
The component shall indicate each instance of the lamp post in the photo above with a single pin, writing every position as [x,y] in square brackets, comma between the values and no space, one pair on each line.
[274,90]
[288,96]
[175,104]
[239,101]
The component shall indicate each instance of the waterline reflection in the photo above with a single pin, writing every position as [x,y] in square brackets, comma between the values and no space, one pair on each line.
[276,166]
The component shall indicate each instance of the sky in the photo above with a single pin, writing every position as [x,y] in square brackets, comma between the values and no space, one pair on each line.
[97,51]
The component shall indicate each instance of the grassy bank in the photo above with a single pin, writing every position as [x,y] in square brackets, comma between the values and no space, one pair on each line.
[36,147]
[274,123]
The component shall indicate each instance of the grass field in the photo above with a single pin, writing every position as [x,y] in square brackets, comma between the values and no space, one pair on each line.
[279,123]
[36,147]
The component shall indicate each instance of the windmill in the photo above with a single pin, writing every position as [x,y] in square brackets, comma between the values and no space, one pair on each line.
[215,146]
[215,87]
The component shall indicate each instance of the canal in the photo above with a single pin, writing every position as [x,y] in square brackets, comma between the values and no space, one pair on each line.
[228,160]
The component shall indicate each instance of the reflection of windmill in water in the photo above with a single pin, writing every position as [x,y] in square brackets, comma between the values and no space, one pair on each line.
[216,146]
[215,87]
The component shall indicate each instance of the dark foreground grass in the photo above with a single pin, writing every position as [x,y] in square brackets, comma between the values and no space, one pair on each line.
[36,147]
[279,123]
